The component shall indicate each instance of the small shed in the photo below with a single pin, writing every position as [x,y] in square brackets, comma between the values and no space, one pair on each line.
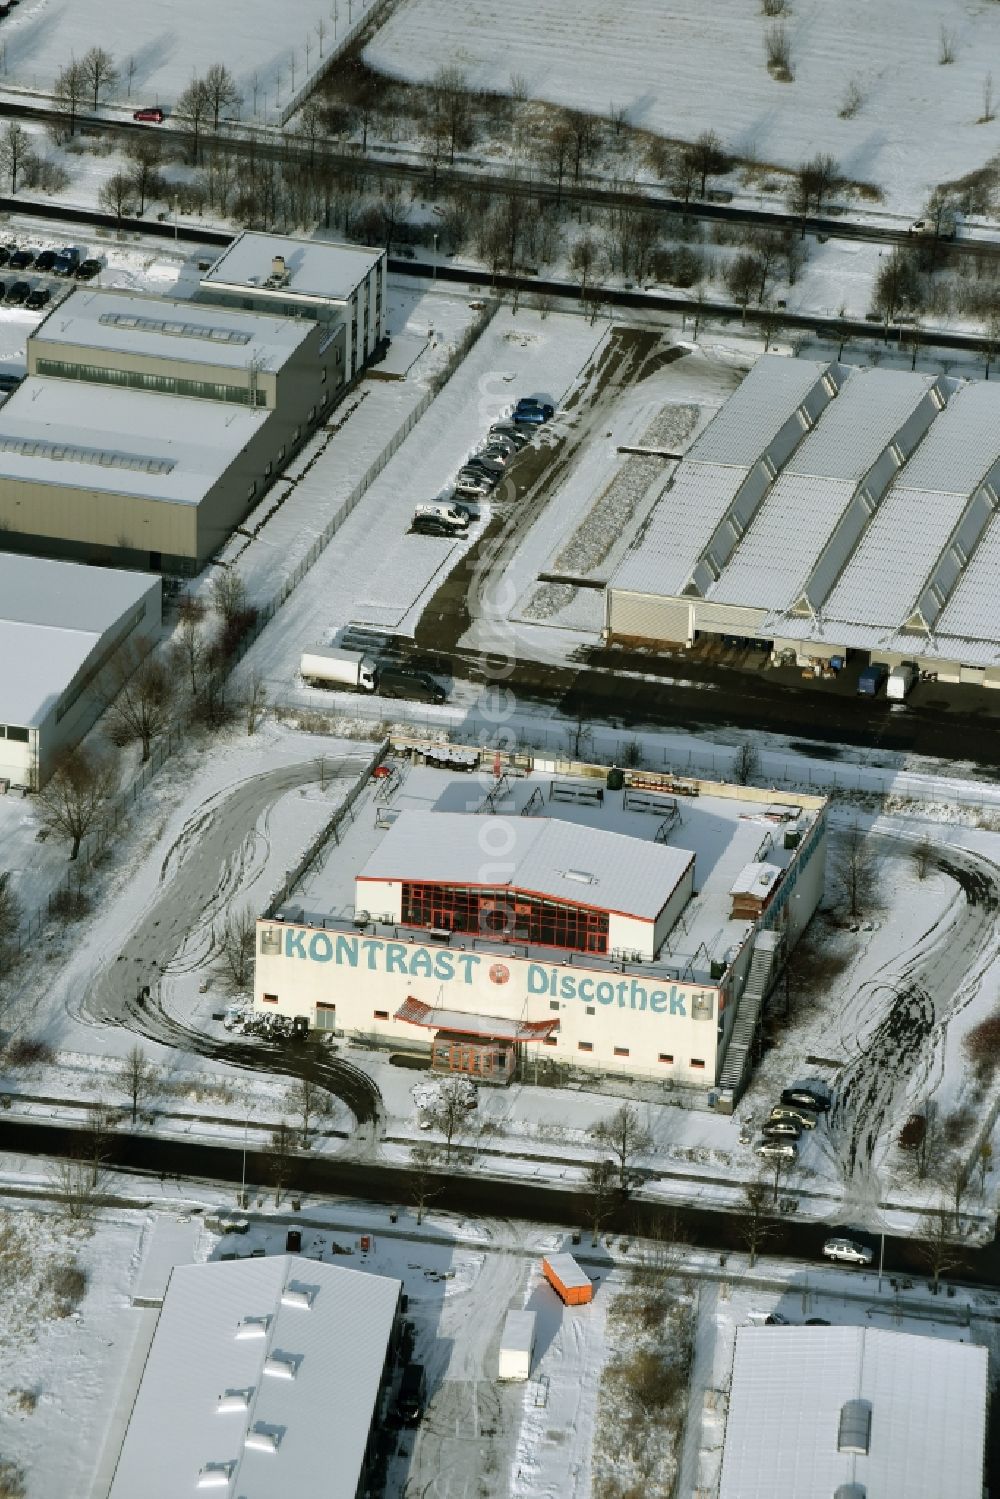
[517,1345]
[752,889]
[567,1279]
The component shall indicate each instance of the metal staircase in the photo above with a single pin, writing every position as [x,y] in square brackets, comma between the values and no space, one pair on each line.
[739,1053]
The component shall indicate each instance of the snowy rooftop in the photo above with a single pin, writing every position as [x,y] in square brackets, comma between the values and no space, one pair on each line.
[723,833]
[756,410]
[52,615]
[318,270]
[805,1403]
[136,442]
[585,865]
[264,1374]
[124,322]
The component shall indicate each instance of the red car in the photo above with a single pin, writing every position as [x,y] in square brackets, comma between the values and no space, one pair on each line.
[152,116]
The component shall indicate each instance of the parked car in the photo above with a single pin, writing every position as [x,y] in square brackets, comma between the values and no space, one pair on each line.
[21,259]
[45,260]
[516,435]
[412,1395]
[440,520]
[472,484]
[531,403]
[151,115]
[807,1098]
[848,1251]
[777,1150]
[777,1129]
[87,270]
[19,293]
[802,1117]
[530,416]
[490,480]
[399,681]
[816,1322]
[486,465]
[5,253]
[37,298]
[68,260]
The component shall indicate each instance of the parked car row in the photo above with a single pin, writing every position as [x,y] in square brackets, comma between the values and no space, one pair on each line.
[799,1109]
[23,294]
[65,262]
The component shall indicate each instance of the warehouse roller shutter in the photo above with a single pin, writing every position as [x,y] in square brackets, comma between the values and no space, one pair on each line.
[644,616]
[728,619]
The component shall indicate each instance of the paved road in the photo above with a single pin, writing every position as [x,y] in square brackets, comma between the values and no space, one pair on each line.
[221,852]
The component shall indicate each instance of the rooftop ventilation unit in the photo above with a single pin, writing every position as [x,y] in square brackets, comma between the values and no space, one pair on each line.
[233,1401]
[261,1441]
[855,1430]
[280,1366]
[279,272]
[851,1491]
[293,1296]
[253,1327]
[582,876]
[215,1476]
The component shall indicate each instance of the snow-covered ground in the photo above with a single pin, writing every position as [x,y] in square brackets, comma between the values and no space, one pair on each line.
[271,52]
[678,69]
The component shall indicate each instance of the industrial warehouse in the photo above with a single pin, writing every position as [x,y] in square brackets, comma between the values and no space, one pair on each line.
[148,427]
[828,511]
[630,928]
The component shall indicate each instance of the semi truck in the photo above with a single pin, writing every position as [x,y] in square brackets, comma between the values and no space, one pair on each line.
[323,666]
[901,679]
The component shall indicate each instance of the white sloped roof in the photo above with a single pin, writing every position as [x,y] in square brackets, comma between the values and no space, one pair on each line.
[859,424]
[310,1379]
[126,322]
[568,861]
[756,411]
[972,609]
[927,1397]
[679,527]
[787,536]
[52,617]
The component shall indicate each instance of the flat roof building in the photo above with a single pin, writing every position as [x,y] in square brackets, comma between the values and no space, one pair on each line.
[61,626]
[854,1412]
[874,529]
[332,283]
[265,1376]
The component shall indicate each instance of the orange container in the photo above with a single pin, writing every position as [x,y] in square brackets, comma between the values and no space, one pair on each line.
[569,1282]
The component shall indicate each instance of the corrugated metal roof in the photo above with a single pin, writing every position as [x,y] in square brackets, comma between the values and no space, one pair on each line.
[790,1385]
[679,528]
[788,534]
[962,445]
[756,411]
[181,331]
[568,861]
[856,427]
[881,582]
[327,1354]
[972,608]
[52,616]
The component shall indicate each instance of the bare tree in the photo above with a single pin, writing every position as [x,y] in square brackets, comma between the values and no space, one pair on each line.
[100,72]
[15,151]
[75,796]
[191,645]
[10,916]
[281,1152]
[115,194]
[582,259]
[193,108]
[778,49]
[145,155]
[989,112]
[221,91]
[312,127]
[897,286]
[138,1079]
[237,945]
[583,131]
[139,692]
[939,1247]
[754,1226]
[450,104]
[742,278]
[449,1113]
[626,1137]
[946,45]
[855,871]
[929,1145]
[70,90]
[707,158]
[78,1188]
[423,1188]
[923,857]
[101,1126]
[229,594]
[255,702]
[309,1100]
[746,763]
[601,1179]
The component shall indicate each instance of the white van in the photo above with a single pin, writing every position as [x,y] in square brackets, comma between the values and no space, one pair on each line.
[901,679]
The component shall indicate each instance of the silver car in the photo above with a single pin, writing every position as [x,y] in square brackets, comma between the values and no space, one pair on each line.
[848,1251]
[777,1150]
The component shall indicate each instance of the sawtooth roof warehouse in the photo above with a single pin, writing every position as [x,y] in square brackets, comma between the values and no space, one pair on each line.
[627,929]
[828,510]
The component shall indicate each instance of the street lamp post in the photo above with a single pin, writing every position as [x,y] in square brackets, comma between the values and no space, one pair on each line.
[434,265]
[243,1175]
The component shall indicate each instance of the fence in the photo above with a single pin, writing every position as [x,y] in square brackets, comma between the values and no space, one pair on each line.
[32,924]
[368,12]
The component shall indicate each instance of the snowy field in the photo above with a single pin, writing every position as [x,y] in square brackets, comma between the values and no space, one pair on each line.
[677,69]
[271,51]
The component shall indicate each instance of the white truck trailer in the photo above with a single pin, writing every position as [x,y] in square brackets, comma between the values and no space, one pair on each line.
[901,679]
[517,1344]
[323,666]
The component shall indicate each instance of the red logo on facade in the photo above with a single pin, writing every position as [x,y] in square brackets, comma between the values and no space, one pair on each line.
[499,973]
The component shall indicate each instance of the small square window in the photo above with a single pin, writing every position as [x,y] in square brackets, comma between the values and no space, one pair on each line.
[381,1014]
[550,1040]
[252,490]
[267,471]
[668,1057]
[697,1062]
[591,1010]
[269,999]
[553,1004]
[322,377]
[585,1046]
[281,455]
[621,1051]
